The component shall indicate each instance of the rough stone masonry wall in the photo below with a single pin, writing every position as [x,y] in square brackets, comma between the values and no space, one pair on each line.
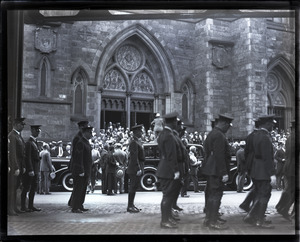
[80,45]
[249,98]
[213,84]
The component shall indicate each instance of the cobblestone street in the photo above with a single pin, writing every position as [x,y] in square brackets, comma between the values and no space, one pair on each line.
[107,216]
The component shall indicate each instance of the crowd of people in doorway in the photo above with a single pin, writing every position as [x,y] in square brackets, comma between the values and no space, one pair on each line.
[264,155]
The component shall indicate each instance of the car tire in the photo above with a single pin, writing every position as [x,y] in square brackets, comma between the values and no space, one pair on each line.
[248,182]
[67,182]
[148,181]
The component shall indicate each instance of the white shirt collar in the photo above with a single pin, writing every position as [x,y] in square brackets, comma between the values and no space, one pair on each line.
[17,131]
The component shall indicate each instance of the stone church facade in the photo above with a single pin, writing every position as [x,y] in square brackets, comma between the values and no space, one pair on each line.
[125,71]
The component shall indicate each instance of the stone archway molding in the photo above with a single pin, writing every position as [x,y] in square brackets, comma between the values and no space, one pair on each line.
[281,67]
[149,40]
[87,70]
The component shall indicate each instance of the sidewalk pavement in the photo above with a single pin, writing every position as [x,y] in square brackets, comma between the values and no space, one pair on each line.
[107,216]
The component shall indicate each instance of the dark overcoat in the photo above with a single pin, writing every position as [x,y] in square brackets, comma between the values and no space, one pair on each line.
[32,156]
[168,163]
[217,154]
[136,157]
[82,158]
[263,166]
[16,148]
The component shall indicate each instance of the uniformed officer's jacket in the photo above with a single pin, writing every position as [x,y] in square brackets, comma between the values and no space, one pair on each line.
[82,158]
[16,148]
[263,166]
[217,154]
[289,166]
[249,151]
[182,157]
[168,164]
[136,156]
[32,156]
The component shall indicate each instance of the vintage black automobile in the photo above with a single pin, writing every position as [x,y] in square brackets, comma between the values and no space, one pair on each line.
[64,180]
[149,179]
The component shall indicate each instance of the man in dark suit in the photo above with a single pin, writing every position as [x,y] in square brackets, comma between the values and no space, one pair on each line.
[287,198]
[216,170]
[16,167]
[168,169]
[81,169]
[135,166]
[32,162]
[262,172]
[81,124]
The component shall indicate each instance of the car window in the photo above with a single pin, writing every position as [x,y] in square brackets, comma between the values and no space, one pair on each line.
[151,151]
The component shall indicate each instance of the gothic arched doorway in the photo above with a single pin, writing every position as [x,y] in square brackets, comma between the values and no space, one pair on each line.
[281,92]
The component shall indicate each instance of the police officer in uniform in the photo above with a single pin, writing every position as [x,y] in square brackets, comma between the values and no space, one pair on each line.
[168,169]
[262,172]
[81,124]
[81,169]
[32,163]
[135,166]
[182,160]
[216,170]
[16,167]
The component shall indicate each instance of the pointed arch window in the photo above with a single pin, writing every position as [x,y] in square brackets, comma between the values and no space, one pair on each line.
[44,77]
[79,97]
[186,97]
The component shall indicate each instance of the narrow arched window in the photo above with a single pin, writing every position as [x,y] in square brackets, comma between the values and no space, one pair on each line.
[43,80]
[44,77]
[79,80]
[184,106]
[78,100]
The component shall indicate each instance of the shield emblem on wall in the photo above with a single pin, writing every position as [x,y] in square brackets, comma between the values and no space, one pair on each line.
[220,57]
[45,40]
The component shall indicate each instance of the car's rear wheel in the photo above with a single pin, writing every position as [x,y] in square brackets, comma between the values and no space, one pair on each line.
[68,182]
[148,181]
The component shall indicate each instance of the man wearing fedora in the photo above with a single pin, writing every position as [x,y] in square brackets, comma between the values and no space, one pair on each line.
[81,169]
[135,166]
[16,152]
[30,177]
[262,172]
[216,170]
[168,170]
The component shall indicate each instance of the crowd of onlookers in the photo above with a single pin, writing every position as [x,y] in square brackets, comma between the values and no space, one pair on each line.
[120,136]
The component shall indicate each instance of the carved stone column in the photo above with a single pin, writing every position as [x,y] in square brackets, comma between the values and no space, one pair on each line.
[127,108]
[168,102]
[98,114]
[156,104]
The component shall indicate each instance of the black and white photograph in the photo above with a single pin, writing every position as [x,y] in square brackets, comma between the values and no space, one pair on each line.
[150,118]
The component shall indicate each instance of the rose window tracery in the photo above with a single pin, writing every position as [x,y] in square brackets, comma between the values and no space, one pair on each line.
[129,58]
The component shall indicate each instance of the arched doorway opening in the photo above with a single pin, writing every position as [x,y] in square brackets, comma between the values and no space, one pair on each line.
[281,92]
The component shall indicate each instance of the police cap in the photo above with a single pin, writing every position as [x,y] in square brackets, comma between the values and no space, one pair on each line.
[171,116]
[88,128]
[83,123]
[36,126]
[19,120]
[267,118]
[225,118]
